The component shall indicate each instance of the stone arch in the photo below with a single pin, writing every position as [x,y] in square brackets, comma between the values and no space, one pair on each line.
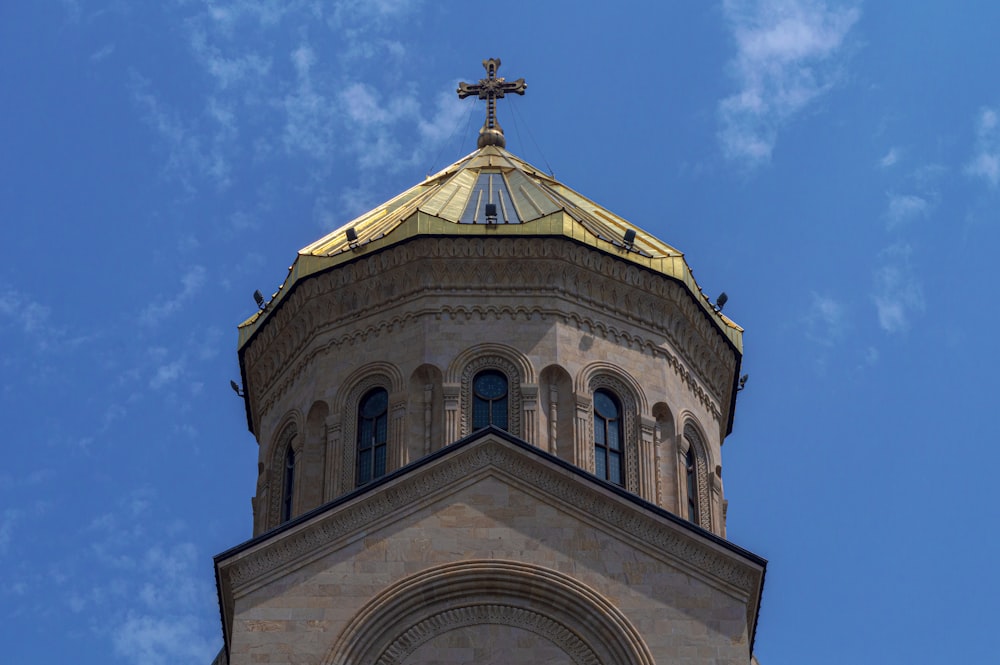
[514,364]
[426,409]
[372,375]
[693,438]
[313,467]
[287,436]
[665,452]
[596,376]
[580,621]
[557,406]
[525,370]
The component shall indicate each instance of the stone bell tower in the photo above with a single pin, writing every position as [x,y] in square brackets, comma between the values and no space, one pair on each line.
[490,417]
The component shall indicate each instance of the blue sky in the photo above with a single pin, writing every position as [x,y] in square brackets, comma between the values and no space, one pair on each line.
[833,166]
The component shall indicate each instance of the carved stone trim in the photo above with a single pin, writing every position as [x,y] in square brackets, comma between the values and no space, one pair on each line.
[276,482]
[349,446]
[667,539]
[631,443]
[514,391]
[694,439]
[504,615]
[560,270]
[575,617]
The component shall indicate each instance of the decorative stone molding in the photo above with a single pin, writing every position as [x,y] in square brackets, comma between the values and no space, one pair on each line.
[514,397]
[627,398]
[335,527]
[693,439]
[563,271]
[349,418]
[506,615]
[287,437]
[414,610]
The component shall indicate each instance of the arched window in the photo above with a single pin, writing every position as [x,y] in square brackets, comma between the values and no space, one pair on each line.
[489,400]
[288,485]
[608,437]
[373,428]
[692,486]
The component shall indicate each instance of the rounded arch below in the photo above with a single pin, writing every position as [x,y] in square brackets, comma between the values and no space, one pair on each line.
[458,601]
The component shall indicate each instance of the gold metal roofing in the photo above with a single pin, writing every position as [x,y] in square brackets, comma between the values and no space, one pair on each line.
[491,189]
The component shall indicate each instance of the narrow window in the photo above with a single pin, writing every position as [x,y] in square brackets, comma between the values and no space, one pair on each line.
[373,429]
[692,486]
[489,400]
[288,486]
[608,437]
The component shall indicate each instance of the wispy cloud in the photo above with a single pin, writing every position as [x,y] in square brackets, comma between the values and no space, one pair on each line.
[889,159]
[191,282]
[985,162]
[903,208]
[898,293]
[102,53]
[788,54]
[826,320]
[187,155]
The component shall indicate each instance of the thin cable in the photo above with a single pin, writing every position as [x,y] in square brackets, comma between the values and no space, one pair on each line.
[527,128]
[444,144]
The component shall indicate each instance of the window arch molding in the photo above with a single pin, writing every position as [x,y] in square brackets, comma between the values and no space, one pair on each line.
[693,439]
[288,439]
[358,384]
[505,359]
[602,376]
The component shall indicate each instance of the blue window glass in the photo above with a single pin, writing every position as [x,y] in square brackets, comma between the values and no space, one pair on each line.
[373,429]
[489,399]
[692,486]
[608,437]
[288,485]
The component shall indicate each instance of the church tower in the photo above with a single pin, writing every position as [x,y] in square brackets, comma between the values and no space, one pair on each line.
[490,417]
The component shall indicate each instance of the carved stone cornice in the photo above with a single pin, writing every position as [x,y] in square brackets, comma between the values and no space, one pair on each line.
[383,291]
[474,615]
[429,481]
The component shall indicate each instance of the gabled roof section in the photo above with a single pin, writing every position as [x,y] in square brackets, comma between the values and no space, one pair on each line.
[492,191]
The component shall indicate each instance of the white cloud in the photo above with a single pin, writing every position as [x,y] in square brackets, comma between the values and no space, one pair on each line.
[889,159]
[8,519]
[904,207]
[787,56]
[985,162]
[146,639]
[191,283]
[826,321]
[166,374]
[898,293]
[102,53]
[186,154]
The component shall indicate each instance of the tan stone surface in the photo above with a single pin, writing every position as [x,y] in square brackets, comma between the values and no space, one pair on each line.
[690,600]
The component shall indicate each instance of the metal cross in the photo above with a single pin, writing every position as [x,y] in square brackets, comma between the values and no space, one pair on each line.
[491,88]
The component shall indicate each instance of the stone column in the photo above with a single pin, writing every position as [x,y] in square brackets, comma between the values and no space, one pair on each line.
[334,458]
[529,410]
[428,415]
[553,418]
[647,459]
[452,418]
[681,475]
[397,456]
[583,447]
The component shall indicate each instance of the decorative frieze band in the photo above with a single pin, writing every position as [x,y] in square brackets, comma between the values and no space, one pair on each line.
[558,268]
[413,489]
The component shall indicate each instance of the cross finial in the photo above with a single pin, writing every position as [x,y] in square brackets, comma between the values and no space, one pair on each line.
[491,88]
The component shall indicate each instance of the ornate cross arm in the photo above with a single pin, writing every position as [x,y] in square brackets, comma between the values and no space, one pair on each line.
[491,88]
